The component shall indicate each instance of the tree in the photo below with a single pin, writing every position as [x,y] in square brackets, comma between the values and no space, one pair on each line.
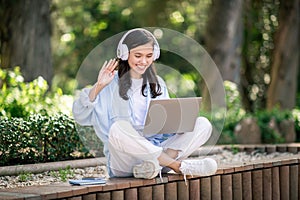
[222,40]
[283,88]
[25,33]
[260,24]
[224,37]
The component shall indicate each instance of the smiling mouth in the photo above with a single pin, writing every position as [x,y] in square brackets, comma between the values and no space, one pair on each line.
[141,67]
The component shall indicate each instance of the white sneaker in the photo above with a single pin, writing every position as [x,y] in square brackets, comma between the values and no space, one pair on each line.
[148,169]
[203,167]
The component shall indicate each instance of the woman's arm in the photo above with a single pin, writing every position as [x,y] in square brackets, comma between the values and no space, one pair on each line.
[105,76]
[83,106]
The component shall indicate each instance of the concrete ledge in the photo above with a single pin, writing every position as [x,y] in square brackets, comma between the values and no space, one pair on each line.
[92,162]
[42,167]
[81,163]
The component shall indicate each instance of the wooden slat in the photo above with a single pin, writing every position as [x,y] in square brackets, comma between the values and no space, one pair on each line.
[205,188]
[216,187]
[294,181]
[257,185]
[117,195]
[247,185]
[267,184]
[284,182]
[171,191]
[145,193]
[89,197]
[131,194]
[158,192]
[103,196]
[237,186]
[299,180]
[194,189]
[182,190]
[71,198]
[275,184]
[226,187]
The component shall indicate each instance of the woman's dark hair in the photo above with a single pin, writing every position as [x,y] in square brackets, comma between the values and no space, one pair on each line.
[135,39]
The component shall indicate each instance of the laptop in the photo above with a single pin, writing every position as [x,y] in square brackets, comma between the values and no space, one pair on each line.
[175,115]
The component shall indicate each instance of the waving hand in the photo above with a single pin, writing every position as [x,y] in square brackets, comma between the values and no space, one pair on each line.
[105,76]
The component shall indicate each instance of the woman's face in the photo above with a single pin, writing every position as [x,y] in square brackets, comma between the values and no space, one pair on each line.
[139,59]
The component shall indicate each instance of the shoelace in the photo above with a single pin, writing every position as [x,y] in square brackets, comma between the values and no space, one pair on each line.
[184,176]
[187,171]
[160,176]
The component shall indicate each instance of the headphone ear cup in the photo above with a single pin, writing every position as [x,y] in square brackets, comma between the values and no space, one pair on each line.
[156,52]
[123,52]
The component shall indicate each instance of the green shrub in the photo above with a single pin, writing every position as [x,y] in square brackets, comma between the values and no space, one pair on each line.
[90,140]
[235,114]
[34,123]
[265,118]
[296,116]
[39,138]
[21,99]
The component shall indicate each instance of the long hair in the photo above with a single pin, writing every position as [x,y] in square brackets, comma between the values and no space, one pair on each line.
[135,39]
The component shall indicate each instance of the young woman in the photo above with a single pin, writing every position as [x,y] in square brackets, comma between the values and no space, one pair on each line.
[116,107]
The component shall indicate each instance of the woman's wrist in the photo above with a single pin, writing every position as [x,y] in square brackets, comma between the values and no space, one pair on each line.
[95,91]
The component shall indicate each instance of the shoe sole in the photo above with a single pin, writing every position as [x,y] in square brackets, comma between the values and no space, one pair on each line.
[145,170]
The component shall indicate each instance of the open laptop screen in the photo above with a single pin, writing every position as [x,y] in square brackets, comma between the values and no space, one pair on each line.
[175,115]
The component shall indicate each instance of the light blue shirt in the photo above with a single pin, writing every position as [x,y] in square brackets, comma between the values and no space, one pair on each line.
[108,108]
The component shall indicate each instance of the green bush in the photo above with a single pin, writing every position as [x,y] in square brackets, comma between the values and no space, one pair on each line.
[296,116]
[39,138]
[265,118]
[34,123]
[90,140]
[21,99]
[235,114]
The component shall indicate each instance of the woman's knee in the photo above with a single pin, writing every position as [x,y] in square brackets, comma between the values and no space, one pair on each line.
[122,129]
[115,132]
[203,126]
[204,123]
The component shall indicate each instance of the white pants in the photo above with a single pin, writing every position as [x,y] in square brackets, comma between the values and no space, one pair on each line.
[128,148]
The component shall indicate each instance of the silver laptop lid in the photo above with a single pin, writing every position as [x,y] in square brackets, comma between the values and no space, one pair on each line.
[174,115]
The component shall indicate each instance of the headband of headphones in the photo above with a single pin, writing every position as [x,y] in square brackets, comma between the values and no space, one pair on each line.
[123,51]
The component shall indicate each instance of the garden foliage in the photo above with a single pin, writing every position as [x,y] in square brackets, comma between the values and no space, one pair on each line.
[21,99]
[39,138]
[35,123]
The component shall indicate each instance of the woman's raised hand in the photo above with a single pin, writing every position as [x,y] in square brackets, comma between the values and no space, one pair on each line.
[107,72]
[105,76]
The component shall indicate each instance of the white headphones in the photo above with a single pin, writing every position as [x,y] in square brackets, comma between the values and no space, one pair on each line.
[122,50]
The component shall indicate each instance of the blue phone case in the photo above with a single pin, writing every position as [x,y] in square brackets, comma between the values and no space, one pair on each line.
[87,182]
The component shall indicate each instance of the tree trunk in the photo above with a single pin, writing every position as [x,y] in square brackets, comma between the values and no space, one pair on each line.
[25,32]
[224,37]
[285,66]
[222,40]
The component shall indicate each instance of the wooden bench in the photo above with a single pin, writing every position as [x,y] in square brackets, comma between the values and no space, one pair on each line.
[267,179]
